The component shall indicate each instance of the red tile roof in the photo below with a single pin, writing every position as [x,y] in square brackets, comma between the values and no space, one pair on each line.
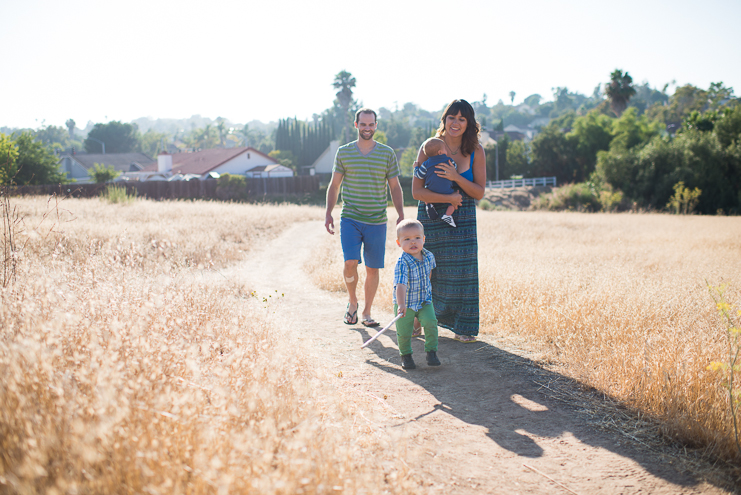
[204,161]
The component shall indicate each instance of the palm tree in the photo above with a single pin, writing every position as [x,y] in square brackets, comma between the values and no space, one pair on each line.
[221,130]
[619,91]
[71,126]
[344,82]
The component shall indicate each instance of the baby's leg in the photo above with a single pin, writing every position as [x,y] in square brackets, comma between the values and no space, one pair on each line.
[450,210]
[428,320]
[404,329]
[431,211]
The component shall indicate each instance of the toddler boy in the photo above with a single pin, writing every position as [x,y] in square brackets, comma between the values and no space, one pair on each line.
[413,292]
[434,148]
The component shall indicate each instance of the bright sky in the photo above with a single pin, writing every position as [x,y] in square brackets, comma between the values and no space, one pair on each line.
[120,60]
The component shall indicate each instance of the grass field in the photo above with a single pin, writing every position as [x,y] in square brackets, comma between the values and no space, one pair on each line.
[124,371]
[620,302]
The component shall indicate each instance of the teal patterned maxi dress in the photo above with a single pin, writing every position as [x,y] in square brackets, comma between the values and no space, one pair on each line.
[455,280]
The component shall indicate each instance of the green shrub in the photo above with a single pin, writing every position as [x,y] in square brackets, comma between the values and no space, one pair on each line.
[231,187]
[684,201]
[570,197]
[104,173]
[486,205]
[118,194]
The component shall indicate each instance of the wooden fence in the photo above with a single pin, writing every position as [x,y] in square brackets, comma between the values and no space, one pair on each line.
[191,189]
[538,181]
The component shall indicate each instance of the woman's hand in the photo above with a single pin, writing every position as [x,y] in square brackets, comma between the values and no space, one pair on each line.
[455,199]
[447,171]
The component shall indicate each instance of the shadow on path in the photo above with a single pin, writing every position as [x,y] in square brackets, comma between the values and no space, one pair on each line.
[499,391]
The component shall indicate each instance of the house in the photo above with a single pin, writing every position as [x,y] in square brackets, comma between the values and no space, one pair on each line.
[269,171]
[325,162]
[520,133]
[212,163]
[486,139]
[79,166]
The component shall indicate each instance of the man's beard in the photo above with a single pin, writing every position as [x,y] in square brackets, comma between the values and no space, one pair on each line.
[372,133]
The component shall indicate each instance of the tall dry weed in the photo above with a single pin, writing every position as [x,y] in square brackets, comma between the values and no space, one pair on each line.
[122,373]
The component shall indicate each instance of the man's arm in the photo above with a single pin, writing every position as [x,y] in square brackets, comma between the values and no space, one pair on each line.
[397,197]
[333,192]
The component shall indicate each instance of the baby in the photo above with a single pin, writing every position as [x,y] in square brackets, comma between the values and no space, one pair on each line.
[434,148]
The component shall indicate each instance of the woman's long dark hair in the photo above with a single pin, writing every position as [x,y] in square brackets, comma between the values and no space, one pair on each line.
[471,135]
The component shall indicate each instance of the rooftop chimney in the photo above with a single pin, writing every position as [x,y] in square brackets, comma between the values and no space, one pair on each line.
[164,163]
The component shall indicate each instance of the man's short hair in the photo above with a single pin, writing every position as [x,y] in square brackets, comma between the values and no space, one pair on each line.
[408,223]
[365,110]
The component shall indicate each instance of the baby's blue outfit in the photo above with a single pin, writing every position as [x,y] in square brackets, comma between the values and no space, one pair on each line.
[434,182]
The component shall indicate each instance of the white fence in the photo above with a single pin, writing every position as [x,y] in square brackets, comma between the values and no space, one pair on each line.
[538,181]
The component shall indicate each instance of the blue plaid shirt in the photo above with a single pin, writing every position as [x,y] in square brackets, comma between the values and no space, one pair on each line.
[415,275]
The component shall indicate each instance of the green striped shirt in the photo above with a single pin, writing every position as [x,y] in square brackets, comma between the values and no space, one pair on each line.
[365,181]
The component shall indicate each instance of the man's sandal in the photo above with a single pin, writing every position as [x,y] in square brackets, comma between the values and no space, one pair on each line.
[466,339]
[351,318]
[370,322]
[417,332]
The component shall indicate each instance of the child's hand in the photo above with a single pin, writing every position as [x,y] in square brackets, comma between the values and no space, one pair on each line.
[402,312]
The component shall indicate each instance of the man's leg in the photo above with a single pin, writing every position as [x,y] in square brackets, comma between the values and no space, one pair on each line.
[351,282]
[351,240]
[374,249]
[372,277]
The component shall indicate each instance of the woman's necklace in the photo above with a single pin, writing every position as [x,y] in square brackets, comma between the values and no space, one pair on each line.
[450,149]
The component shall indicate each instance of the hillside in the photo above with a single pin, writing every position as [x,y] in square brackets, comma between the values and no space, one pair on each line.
[517,198]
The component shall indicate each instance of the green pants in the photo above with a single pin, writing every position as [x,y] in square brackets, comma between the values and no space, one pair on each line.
[405,327]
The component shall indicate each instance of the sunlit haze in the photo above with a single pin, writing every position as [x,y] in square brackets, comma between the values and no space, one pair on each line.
[101,61]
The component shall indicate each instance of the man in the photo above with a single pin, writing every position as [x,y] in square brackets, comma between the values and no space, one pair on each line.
[363,168]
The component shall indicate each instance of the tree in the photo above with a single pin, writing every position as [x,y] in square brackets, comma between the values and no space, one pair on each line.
[152,142]
[398,132]
[8,156]
[204,138]
[728,127]
[284,157]
[102,173]
[533,100]
[589,135]
[646,166]
[35,164]
[619,91]
[512,97]
[719,95]
[221,130]
[117,136]
[344,82]
[406,161]
[53,136]
[683,102]
[518,159]
[71,128]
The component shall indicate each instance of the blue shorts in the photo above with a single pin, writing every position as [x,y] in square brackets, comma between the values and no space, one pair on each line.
[353,234]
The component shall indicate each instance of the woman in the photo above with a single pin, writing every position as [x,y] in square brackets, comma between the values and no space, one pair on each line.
[455,281]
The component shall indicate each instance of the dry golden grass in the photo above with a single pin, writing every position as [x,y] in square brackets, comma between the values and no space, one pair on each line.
[620,300]
[122,374]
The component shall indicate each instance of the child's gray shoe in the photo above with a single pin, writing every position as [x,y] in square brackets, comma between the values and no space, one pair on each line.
[449,220]
[432,359]
[407,362]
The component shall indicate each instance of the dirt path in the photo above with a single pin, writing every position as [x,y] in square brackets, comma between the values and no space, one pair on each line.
[480,423]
